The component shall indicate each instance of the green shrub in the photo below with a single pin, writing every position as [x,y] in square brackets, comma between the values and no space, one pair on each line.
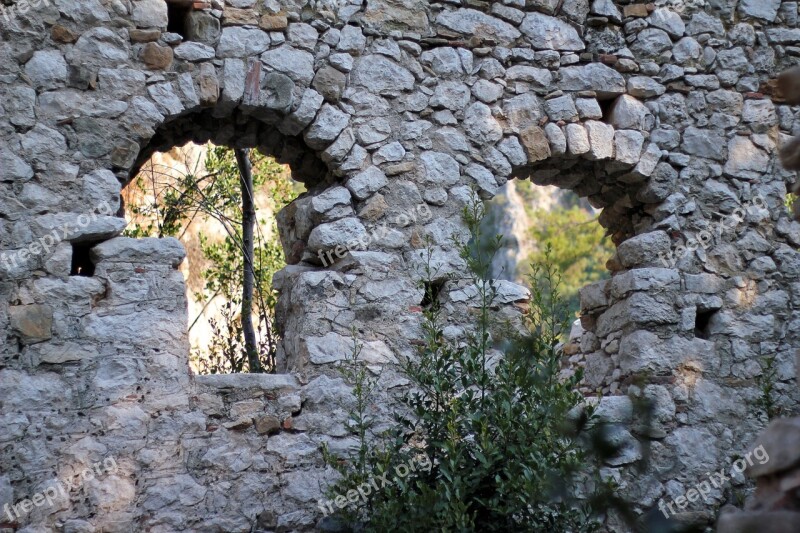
[478,446]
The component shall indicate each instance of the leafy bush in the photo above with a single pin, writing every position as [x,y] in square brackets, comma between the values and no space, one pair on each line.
[499,436]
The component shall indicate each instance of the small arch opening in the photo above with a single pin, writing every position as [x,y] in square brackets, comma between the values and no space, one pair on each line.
[432,291]
[702,323]
[82,264]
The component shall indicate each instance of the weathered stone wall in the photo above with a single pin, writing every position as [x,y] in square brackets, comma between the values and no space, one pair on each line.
[389,111]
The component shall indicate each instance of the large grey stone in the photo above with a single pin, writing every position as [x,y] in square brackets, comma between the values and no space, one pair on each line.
[378,73]
[149,14]
[669,21]
[480,125]
[100,47]
[704,143]
[242,42]
[440,168]
[644,250]
[405,14]
[472,22]
[760,9]
[650,43]
[328,125]
[606,81]
[366,183]
[549,33]
[310,103]
[330,83]
[47,69]
[297,64]
[628,113]
[33,323]
[745,159]
[190,51]
[344,232]
[168,251]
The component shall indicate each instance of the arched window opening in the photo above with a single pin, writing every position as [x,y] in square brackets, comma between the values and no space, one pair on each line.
[538,220]
[197,193]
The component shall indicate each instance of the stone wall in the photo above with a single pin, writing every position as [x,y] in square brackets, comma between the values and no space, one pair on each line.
[389,111]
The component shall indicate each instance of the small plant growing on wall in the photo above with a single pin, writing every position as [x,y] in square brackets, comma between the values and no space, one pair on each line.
[481,443]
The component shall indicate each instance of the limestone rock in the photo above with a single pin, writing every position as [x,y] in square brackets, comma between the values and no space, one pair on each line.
[628,113]
[746,160]
[549,33]
[194,52]
[344,232]
[242,42]
[669,21]
[330,83]
[203,28]
[366,183]
[100,47]
[407,15]
[328,125]
[47,69]
[378,73]
[606,81]
[651,42]
[33,323]
[297,64]
[601,140]
[472,22]
[760,9]
[310,103]
[644,250]
[168,251]
[149,14]
[440,168]
[481,125]
[577,139]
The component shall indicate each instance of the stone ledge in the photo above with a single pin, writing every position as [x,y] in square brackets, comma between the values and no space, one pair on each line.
[267,382]
[151,251]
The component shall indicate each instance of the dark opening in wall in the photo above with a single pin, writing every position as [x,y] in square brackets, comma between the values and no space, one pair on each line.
[701,323]
[178,17]
[605,107]
[82,264]
[432,291]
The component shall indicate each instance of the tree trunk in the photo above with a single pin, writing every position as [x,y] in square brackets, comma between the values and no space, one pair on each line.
[248,229]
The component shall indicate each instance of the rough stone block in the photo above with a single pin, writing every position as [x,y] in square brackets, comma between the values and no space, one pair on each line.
[644,250]
[167,251]
[33,323]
